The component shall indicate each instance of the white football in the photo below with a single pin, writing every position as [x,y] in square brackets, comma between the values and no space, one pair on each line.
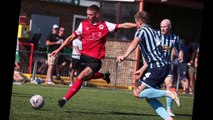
[37,101]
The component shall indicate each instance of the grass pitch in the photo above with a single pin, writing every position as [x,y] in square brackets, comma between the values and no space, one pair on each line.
[88,104]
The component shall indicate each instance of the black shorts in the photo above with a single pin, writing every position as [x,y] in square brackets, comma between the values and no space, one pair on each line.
[62,59]
[155,77]
[75,64]
[93,63]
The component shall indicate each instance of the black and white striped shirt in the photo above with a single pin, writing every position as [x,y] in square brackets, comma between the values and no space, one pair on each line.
[150,46]
[168,42]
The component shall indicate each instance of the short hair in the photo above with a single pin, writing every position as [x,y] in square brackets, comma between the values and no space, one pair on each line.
[168,21]
[94,8]
[142,16]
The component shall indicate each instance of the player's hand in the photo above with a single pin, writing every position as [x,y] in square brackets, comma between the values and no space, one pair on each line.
[120,58]
[54,53]
[137,75]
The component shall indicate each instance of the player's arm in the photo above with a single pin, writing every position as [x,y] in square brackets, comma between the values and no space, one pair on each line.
[66,42]
[130,49]
[127,25]
[139,73]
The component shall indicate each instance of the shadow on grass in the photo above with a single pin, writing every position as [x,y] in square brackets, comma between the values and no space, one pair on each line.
[21,95]
[112,113]
[127,114]
[183,115]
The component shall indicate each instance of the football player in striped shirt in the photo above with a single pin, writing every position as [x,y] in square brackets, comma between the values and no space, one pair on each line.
[169,42]
[157,67]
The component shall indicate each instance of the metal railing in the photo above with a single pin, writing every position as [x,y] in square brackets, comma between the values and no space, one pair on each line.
[121,73]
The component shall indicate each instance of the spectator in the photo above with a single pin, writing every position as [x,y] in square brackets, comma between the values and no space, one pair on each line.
[77,46]
[62,62]
[192,64]
[53,43]
[18,77]
[182,68]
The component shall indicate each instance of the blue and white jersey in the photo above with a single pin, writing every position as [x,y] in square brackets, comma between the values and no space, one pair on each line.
[169,42]
[150,46]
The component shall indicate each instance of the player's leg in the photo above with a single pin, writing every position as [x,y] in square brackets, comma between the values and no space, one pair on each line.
[88,66]
[153,79]
[96,64]
[168,83]
[151,94]
[104,76]
[146,91]
[159,108]
[85,74]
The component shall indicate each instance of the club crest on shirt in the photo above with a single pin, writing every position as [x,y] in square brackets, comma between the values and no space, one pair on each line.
[101,27]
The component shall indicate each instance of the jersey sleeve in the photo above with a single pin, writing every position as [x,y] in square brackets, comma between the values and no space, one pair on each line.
[79,30]
[112,27]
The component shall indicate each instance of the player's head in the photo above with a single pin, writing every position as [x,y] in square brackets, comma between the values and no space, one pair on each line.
[165,26]
[93,13]
[141,18]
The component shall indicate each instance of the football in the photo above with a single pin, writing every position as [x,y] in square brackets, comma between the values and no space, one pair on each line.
[37,101]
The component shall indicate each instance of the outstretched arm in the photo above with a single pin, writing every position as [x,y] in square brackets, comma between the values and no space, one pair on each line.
[127,25]
[130,49]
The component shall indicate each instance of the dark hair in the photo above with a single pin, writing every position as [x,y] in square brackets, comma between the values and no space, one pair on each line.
[142,16]
[94,8]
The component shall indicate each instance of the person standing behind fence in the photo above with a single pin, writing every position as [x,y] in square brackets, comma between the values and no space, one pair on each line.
[169,42]
[192,64]
[157,70]
[77,46]
[52,43]
[182,67]
[94,33]
[61,59]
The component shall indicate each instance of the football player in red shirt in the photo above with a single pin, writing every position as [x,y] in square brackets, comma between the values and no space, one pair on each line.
[94,33]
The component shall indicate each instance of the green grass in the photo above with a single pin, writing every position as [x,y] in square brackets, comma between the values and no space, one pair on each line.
[88,104]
